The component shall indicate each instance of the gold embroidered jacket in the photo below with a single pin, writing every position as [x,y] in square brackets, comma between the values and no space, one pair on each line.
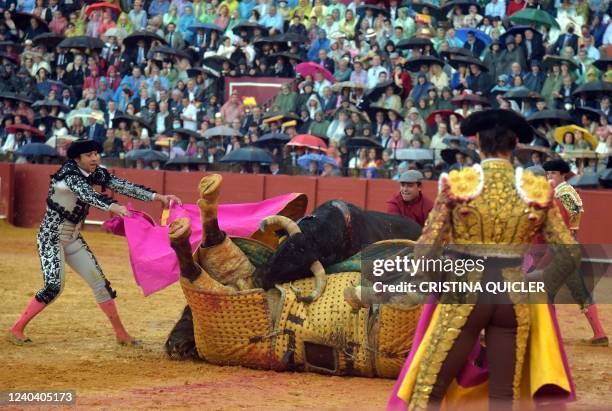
[572,202]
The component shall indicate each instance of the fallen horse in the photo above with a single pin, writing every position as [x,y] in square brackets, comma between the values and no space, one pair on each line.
[235,323]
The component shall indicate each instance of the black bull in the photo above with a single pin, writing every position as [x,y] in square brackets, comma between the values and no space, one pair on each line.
[334,232]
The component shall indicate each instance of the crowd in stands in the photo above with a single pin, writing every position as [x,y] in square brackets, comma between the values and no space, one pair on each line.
[378,86]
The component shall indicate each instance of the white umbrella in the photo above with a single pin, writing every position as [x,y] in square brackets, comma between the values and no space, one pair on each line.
[59,140]
[85,114]
[116,32]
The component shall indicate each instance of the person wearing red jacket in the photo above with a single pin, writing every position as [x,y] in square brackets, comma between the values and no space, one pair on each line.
[514,6]
[410,201]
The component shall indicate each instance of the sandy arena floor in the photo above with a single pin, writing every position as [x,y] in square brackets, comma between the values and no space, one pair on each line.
[74,348]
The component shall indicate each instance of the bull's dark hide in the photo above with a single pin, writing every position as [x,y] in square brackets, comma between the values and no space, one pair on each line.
[334,232]
[180,344]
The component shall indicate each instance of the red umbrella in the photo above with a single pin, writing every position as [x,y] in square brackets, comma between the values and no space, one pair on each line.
[24,127]
[309,69]
[431,119]
[307,140]
[472,99]
[101,6]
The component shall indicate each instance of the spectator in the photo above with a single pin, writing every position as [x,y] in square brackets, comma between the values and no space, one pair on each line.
[410,202]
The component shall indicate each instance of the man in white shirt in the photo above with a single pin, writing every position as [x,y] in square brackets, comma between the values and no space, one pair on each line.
[496,8]
[374,72]
[189,114]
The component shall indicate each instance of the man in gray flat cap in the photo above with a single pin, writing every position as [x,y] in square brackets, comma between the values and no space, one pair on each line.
[410,201]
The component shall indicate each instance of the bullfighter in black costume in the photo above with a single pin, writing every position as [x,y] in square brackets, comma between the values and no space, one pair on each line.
[59,240]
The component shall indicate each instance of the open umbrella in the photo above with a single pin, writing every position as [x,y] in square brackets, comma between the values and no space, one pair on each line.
[462,34]
[274,116]
[457,140]
[414,64]
[248,155]
[518,29]
[463,4]
[376,10]
[168,52]
[449,155]
[414,43]
[272,139]
[286,55]
[523,153]
[25,127]
[471,99]
[129,119]
[375,92]
[586,135]
[249,27]
[49,104]
[181,160]
[431,118]
[452,52]
[320,159]
[195,71]
[103,6]
[116,32]
[358,142]
[15,97]
[216,62]
[348,84]
[82,42]
[309,69]
[433,10]
[603,64]
[534,16]
[146,155]
[288,38]
[413,154]
[592,113]
[375,108]
[308,141]
[35,150]
[60,140]
[147,36]
[457,61]
[224,131]
[22,21]
[183,132]
[550,116]
[594,89]
[206,27]
[520,94]
[551,60]
[85,114]
[49,40]
[10,58]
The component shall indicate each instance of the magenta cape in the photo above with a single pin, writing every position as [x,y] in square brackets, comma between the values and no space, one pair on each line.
[471,385]
[153,261]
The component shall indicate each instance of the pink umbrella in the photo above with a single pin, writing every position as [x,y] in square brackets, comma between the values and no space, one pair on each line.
[309,69]
[309,141]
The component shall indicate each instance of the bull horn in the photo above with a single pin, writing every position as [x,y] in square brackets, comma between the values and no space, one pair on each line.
[286,223]
[320,283]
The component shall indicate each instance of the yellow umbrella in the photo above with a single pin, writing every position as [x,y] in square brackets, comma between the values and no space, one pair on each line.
[588,137]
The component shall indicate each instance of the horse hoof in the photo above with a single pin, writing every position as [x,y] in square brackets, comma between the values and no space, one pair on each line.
[209,187]
[180,229]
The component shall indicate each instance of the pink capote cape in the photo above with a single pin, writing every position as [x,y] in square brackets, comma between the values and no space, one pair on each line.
[469,390]
[153,261]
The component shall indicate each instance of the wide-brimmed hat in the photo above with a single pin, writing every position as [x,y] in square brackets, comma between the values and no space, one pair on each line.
[499,119]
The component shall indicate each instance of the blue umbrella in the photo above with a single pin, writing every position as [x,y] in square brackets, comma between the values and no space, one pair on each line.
[520,29]
[304,161]
[36,149]
[248,155]
[462,141]
[205,26]
[272,139]
[146,155]
[462,34]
